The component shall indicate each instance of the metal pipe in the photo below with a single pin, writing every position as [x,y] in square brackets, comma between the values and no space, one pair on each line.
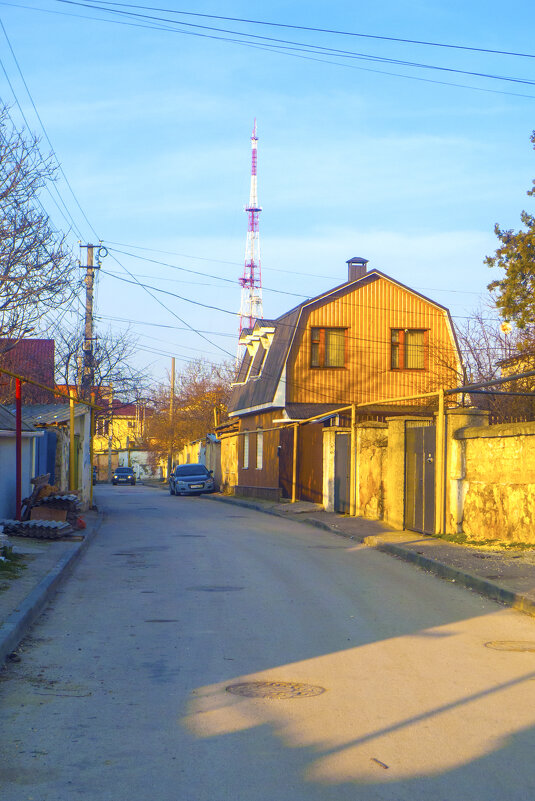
[440,465]
[294,465]
[72,454]
[91,446]
[352,463]
[53,390]
[18,449]
[493,383]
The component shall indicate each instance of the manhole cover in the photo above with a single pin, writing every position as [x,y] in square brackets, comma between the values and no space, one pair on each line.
[511,645]
[278,690]
[163,620]
[214,589]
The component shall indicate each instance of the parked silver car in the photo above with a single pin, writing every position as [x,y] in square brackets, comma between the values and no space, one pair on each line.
[191,479]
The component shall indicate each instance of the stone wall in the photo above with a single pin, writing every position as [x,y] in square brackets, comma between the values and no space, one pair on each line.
[371,448]
[497,471]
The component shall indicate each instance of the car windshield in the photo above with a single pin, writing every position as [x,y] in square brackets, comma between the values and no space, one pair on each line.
[191,470]
[123,470]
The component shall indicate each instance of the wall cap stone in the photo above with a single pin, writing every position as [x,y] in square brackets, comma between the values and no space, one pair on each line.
[502,430]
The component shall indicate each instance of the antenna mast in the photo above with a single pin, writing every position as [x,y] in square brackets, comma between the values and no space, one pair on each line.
[251,281]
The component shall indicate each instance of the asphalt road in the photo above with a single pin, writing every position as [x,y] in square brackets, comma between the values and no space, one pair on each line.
[379,678]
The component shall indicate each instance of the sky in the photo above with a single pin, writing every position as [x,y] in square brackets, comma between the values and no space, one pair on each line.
[407,166]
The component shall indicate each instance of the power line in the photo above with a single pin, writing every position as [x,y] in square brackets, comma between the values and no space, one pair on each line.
[282,49]
[69,220]
[205,275]
[148,290]
[325,30]
[239,264]
[304,47]
[45,132]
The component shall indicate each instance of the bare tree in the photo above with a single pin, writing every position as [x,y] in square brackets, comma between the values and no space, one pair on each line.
[36,269]
[201,388]
[112,354]
[493,349]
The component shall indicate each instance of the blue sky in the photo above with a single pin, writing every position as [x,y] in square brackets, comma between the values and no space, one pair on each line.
[152,130]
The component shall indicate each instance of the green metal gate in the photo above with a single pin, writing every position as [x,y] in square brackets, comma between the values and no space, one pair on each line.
[341,472]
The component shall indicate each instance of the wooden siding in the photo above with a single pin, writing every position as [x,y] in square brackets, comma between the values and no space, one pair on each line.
[268,474]
[310,463]
[369,314]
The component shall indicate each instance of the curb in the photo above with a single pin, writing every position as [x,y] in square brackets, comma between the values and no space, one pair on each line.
[482,586]
[16,626]
[468,580]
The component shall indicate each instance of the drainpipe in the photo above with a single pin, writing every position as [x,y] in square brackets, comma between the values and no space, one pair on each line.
[18,449]
[294,466]
[72,488]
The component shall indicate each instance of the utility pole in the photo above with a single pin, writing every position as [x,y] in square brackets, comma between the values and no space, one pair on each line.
[171,415]
[88,366]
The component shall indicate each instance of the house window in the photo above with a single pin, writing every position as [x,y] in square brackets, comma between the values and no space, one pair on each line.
[245,451]
[327,347]
[407,349]
[259,449]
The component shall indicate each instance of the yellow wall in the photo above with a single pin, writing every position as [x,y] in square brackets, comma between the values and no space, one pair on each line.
[369,314]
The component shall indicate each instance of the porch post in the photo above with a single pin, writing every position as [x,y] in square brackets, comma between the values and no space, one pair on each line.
[18,448]
[72,488]
[294,465]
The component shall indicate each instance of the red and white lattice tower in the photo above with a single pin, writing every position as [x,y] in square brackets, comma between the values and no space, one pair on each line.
[251,281]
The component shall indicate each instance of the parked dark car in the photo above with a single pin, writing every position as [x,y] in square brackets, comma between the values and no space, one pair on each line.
[123,475]
[191,479]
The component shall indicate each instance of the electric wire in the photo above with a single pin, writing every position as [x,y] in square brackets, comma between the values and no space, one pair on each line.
[323,30]
[68,219]
[206,275]
[305,47]
[281,50]
[45,131]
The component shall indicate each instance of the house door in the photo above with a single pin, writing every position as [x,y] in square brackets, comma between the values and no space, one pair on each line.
[285,449]
[341,472]
[420,446]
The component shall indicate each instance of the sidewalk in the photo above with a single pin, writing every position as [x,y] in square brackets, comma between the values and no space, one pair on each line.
[504,576]
[47,563]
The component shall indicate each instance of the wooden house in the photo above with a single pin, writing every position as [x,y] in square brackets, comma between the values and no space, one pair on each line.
[367,340]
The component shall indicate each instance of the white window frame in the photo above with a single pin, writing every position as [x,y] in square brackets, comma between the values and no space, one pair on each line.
[246,451]
[259,449]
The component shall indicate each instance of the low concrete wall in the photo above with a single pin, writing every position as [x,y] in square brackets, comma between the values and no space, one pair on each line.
[497,470]
[229,463]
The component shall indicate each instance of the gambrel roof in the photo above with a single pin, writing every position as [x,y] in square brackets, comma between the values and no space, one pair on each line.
[261,379]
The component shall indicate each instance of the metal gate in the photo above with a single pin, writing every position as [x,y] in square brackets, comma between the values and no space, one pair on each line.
[341,472]
[420,446]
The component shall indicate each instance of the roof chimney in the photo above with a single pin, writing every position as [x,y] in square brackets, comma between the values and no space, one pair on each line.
[356,268]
